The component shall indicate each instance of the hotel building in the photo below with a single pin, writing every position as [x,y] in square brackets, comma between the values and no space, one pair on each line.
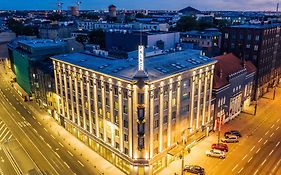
[135,113]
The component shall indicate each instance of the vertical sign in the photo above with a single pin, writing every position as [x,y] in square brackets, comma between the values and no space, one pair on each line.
[141,58]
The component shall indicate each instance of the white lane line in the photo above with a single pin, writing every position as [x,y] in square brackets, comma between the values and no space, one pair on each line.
[80,163]
[260,140]
[29,112]
[271,152]
[33,117]
[234,167]
[45,129]
[250,159]
[22,117]
[57,154]
[240,170]
[277,144]
[61,144]
[253,148]
[244,157]
[39,123]
[271,134]
[49,145]
[17,99]
[277,128]
[278,162]
[21,103]
[266,132]
[41,137]
[272,126]
[18,112]
[52,136]
[265,142]
[263,162]
[14,108]
[278,120]
[34,130]
[66,164]
[258,150]
[24,107]
[10,103]
[70,153]
[256,171]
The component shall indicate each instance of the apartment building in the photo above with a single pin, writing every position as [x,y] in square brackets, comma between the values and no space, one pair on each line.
[136,113]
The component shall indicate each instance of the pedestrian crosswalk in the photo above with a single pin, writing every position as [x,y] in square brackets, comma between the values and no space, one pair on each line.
[23,124]
[5,133]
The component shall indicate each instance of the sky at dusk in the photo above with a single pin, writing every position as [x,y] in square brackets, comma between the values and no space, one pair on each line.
[143,4]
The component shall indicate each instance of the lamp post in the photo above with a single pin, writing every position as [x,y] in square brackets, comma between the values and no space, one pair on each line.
[220,118]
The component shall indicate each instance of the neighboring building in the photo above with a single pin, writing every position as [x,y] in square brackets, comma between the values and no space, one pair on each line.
[135,114]
[189,11]
[129,41]
[5,38]
[209,41]
[74,10]
[261,44]
[233,86]
[56,31]
[105,26]
[112,11]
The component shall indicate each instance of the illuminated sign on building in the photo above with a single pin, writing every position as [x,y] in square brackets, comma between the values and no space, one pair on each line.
[141,58]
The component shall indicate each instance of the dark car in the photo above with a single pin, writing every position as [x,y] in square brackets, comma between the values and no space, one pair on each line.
[232,133]
[220,146]
[195,169]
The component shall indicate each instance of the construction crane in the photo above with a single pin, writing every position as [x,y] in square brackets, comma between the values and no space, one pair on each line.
[78,4]
[59,6]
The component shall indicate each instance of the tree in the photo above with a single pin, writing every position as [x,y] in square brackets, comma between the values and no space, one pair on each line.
[56,17]
[82,39]
[20,29]
[186,23]
[204,25]
[97,37]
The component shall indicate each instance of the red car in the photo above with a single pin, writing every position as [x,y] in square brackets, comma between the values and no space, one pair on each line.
[220,146]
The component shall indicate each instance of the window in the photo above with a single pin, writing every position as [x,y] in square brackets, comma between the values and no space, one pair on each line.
[156,109]
[174,102]
[117,133]
[108,115]
[174,115]
[140,142]
[107,87]
[165,105]
[140,98]
[125,124]
[107,101]
[116,105]
[249,37]
[256,48]
[116,119]
[165,119]
[156,123]
[115,90]
[126,151]
[108,140]
[226,35]
[125,109]
[257,37]
[116,145]
[126,137]
[248,46]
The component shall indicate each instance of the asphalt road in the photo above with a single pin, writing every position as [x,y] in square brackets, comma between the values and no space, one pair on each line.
[6,166]
[50,156]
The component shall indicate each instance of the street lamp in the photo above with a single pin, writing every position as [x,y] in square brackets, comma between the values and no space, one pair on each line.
[220,118]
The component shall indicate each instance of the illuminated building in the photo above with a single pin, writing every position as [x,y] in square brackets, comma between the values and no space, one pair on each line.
[133,112]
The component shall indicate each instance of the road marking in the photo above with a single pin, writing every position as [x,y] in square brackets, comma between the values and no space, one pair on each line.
[39,123]
[18,112]
[35,130]
[240,170]
[14,108]
[277,144]
[57,154]
[260,140]
[253,148]
[250,159]
[41,137]
[49,145]
[21,103]
[66,164]
[22,117]
[272,126]
[263,162]
[24,107]
[33,117]
[256,171]
[45,129]
[271,152]
[277,128]
[258,150]
[265,142]
[70,153]
[266,133]
[278,120]
[10,103]
[80,163]
[244,157]
[271,134]
[61,144]
[52,136]
[17,99]
[29,112]
[234,167]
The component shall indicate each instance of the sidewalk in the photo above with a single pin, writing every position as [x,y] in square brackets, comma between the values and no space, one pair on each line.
[70,142]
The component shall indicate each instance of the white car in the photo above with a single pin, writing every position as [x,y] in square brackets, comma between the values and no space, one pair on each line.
[215,153]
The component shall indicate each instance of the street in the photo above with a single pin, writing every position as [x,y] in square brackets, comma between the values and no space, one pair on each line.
[258,151]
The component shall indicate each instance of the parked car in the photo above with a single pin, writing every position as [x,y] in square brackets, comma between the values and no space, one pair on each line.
[231,139]
[220,146]
[215,153]
[195,169]
[232,133]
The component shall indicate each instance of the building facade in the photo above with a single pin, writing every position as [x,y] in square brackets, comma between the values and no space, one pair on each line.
[135,114]
[260,44]
[233,86]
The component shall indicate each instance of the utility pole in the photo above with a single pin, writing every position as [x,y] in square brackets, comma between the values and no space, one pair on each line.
[256,107]
[274,92]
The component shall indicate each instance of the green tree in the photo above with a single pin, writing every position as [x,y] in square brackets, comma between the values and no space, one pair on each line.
[82,39]
[97,37]
[20,29]
[186,23]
